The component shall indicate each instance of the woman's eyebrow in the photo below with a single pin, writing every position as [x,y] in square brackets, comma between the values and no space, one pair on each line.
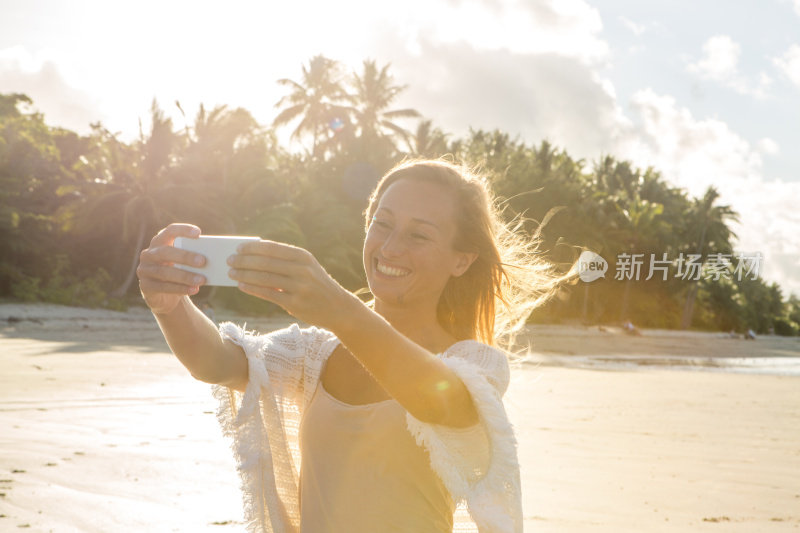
[417,220]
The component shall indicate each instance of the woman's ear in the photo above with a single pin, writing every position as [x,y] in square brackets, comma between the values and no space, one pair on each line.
[465,260]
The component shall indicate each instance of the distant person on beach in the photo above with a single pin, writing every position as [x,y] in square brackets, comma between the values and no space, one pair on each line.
[394,408]
[630,329]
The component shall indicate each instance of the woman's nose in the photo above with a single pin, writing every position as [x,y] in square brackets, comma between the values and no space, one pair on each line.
[393,245]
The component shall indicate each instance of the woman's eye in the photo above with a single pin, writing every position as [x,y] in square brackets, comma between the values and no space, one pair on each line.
[380,224]
[419,237]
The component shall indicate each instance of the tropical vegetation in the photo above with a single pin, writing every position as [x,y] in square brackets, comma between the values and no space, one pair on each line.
[75,210]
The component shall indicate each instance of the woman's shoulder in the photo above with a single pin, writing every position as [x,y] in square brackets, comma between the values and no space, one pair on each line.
[470,348]
[488,361]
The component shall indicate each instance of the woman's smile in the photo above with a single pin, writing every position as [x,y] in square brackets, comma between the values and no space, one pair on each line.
[389,270]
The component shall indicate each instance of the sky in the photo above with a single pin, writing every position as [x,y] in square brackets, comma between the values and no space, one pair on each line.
[706,92]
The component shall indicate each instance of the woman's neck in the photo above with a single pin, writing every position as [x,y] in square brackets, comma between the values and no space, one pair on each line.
[419,325]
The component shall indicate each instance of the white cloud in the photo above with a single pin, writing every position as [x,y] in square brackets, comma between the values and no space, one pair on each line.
[637,29]
[720,63]
[40,77]
[696,154]
[768,146]
[691,153]
[720,59]
[254,46]
[536,96]
[797,6]
[789,63]
[565,27]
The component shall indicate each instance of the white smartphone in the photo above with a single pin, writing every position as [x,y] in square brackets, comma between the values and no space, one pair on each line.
[216,249]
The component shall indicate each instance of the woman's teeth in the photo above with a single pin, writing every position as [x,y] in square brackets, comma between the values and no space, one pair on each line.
[391,271]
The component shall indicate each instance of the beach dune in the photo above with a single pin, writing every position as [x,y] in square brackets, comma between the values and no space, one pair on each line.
[101,429]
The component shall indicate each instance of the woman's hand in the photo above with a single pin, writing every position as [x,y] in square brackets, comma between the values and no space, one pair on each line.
[162,284]
[292,278]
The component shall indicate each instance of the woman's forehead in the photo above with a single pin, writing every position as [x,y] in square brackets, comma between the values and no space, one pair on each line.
[419,199]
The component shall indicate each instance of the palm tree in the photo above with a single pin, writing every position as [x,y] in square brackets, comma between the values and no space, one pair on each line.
[428,141]
[616,177]
[230,159]
[375,92]
[316,100]
[639,228]
[708,223]
[215,138]
[132,195]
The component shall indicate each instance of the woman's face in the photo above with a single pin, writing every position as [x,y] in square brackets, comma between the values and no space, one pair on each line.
[408,251]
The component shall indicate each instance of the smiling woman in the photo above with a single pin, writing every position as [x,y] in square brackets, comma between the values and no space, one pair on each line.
[505,279]
[376,418]
[408,251]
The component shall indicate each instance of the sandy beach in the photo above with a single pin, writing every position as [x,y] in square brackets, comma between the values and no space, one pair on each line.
[102,429]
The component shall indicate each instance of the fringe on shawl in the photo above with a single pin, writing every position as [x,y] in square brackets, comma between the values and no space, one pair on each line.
[243,424]
[493,494]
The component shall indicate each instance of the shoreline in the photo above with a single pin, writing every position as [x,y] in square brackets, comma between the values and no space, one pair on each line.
[588,347]
[546,338]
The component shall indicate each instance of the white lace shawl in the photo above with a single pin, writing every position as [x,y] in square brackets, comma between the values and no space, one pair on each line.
[478,465]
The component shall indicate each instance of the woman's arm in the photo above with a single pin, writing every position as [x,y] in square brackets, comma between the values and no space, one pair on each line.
[196,342]
[191,336]
[422,383]
[292,278]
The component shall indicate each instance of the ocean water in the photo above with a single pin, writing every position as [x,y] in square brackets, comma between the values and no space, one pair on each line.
[774,366]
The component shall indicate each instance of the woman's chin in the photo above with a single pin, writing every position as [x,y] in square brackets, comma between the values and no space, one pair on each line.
[389,297]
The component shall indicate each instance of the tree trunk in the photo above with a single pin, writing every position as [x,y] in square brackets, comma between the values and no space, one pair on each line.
[623,313]
[585,301]
[122,290]
[314,147]
[688,309]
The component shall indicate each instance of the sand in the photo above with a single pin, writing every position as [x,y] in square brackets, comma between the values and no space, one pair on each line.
[101,429]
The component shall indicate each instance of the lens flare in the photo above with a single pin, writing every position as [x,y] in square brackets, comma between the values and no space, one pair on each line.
[336,124]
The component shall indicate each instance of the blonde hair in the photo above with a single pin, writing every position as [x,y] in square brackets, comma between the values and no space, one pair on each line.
[492,300]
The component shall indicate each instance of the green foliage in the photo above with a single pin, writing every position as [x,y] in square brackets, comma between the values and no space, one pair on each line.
[27,290]
[785,327]
[31,176]
[61,286]
[75,211]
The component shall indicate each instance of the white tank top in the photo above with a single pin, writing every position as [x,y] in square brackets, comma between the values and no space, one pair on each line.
[362,471]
